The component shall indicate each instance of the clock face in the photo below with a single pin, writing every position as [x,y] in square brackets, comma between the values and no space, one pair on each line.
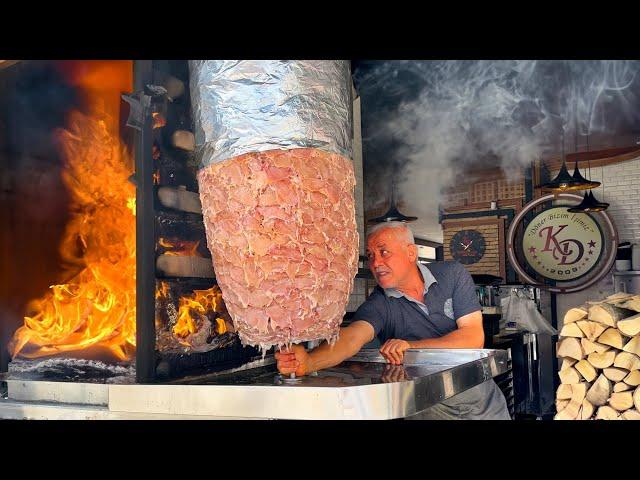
[467,246]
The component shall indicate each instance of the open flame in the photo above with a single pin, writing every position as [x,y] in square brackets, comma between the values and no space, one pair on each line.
[195,314]
[96,306]
[184,248]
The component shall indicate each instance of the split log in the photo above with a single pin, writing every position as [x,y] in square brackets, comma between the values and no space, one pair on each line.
[561,404]
[184,140]
[608,314]
[575,314]
[563,415]
[180,266]
[607,413]
[567,362]
[632,304]
[571,330]
[578,393]
[589,347]
[621,387]
[615,374]
[592,330]
[633,346]
[570,347]
[621,401]
[618,298]
[632,414]
[587,410]
[636,398]
[600,391]
[611,337]
[586,370]
[630,326]
[564,392]
[603,360]
[180,199]
[627,360]
[633,378]
[569,376]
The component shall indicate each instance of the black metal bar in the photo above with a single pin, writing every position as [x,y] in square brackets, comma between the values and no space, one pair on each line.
[145,238]
[554,324]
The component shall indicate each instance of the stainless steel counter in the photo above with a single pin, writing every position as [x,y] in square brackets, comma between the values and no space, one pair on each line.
[364,387]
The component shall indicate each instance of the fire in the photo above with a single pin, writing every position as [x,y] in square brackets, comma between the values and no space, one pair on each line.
[158,120]
[183,248]
[198,306]
[96,307]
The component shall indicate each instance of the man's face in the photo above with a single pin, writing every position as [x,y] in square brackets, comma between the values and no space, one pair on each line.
[391,259]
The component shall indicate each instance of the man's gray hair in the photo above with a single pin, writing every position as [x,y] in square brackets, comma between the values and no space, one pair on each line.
[405,230]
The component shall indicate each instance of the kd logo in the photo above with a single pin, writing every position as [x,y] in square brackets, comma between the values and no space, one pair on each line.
[561,250]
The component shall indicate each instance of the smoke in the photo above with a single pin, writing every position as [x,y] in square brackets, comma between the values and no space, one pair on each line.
[424,122]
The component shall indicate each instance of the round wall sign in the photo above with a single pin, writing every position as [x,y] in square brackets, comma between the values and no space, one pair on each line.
[562,246]
[572,249]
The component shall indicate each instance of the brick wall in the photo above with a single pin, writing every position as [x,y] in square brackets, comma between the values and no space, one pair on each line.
[489,263]
[622,190]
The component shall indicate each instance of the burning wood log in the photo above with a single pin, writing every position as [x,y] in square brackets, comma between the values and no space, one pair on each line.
[181,266]
[184,140]
[180,199]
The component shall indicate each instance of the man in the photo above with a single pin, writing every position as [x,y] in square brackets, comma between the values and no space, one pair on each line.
[413,306]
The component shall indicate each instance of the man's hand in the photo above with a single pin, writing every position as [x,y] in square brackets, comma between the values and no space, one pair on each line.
[393,350]
[295,361]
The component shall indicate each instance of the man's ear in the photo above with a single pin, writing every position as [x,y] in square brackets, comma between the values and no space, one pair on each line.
[413,252]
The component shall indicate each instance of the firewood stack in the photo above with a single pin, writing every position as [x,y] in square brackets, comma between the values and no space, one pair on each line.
[599,351]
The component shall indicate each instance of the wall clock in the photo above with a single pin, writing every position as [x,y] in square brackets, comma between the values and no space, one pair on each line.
[467,246]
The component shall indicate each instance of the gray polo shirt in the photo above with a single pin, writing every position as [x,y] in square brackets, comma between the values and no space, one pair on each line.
[449,293]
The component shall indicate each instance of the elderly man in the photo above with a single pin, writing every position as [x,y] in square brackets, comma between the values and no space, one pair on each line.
[413,306]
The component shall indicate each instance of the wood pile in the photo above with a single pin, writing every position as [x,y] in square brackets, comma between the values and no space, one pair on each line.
[599,351]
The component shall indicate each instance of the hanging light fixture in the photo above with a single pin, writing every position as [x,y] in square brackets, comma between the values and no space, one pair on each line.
[392,215]
[581,182]
[564,181]
[589,202]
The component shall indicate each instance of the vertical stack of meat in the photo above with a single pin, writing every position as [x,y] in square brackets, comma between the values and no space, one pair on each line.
[281,228]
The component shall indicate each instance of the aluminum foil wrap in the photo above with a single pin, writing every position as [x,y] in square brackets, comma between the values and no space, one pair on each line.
[242,106]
